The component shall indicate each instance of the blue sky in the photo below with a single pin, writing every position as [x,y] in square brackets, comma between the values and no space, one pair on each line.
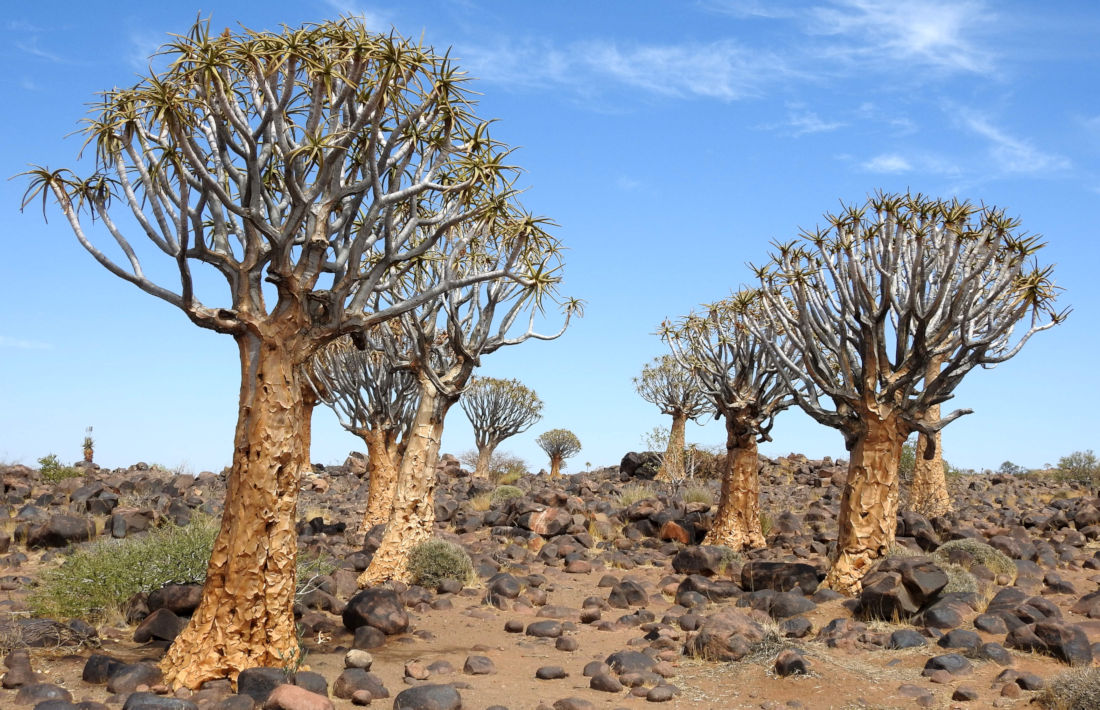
[671,141]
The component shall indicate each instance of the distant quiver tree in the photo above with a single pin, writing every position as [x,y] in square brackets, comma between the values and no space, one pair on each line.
[559,444]
[309,168]
[375,399]
[497,409]
[672,387]
[869,304]
[731,366]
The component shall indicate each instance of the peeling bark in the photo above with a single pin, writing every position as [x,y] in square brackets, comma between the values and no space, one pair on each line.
[737,520]
[869,505]
[246,615]
[928,495]
[383,478]
[672,465]
[555,467]
[412,517]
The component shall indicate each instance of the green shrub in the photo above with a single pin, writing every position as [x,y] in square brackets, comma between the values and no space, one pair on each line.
[633,493]
[53,472]
[503,493]
[1076,690]
[959,579]
[98,580]
[435,560]
[698,494]
[997,561]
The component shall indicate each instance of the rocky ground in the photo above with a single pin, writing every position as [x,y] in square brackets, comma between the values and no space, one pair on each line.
[588,598]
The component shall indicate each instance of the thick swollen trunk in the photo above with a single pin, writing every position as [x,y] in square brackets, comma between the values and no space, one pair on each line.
[672,466]
[246,616]
[412,517]
[383,478]
[555,466]
[737,521]
[869,505]
[484,456]
[928,494]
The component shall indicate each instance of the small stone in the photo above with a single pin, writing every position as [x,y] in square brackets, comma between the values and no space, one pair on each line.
[292,697]
[573,704]
[478,665]
[416,670]
[660,694]
[566,643]
[358,658]
[428,697]
[605,682]
[551,673]
[548,628]
[361,697]
[128,677]
[964,693]
[513,626]
[790,662]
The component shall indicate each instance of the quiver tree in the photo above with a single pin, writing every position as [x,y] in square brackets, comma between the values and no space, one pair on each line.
[447,338]
[868,304]
[309,168]
[559,444]
[667,384]
[928,490]
[732,369]
[497,409]
[373,399]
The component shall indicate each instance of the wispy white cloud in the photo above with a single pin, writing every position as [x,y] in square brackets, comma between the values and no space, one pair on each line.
[887,163]
[750,8]
[30,46]
[21,344]
[723,70]
[373,19]
[1011,154]
[626,183]
[941,34]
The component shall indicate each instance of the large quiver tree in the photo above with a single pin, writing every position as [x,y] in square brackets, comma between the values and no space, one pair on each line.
[672,387]
[497,409]
[448,338]
[732,369]
[374,398]
[868,304]
[308,168]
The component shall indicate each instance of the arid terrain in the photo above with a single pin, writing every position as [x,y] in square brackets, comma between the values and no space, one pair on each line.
[592,592]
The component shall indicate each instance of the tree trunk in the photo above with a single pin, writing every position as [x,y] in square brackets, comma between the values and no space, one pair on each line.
[672,465]
[484,457]
[737,520]
[413,515]
[869,505]
[246,616]
[928,495]
[555,467]
[382,484]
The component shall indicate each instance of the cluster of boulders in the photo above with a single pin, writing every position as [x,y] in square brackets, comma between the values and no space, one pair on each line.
[652,582]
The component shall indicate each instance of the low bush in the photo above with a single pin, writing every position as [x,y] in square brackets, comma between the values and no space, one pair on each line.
[435,560]
[634,492]
[503,493]
[698,494]
[982,553]
[52,471]
[98,580]
[1078,689]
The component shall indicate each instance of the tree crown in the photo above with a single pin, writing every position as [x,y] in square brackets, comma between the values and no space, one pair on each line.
[672,387]
[499,408]
[559,443]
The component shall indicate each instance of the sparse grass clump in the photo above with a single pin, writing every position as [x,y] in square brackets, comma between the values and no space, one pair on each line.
[503,493]
[992,558]
[1078,689]
[698,494]
[959,579]
[97,581]
[482,502]
[435,560]
[52,471]
[634,492]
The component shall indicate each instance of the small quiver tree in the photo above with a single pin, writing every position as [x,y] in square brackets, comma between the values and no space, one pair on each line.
[885,291]
[375,399]
[731,367]
[308,168]
[667,384]
[497,409]
[559,444]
